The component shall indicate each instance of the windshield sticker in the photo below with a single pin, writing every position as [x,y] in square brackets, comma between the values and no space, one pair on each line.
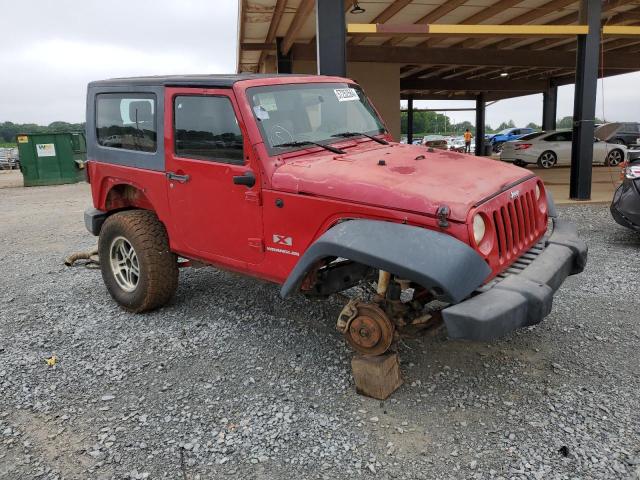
[261,113]
[346,94]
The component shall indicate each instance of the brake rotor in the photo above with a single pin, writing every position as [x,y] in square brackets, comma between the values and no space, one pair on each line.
[371,331]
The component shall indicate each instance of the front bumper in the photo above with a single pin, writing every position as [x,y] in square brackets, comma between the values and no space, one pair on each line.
[522,295]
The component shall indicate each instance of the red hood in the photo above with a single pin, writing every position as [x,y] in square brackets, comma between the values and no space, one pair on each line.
[406,181]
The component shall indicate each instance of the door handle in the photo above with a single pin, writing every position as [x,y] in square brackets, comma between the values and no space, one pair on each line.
[248,179]
[177,178]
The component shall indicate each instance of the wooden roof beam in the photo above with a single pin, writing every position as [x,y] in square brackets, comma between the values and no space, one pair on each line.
[465,57]
[431,17]
[384,16]
[278,11]
[528,17]
[414,70]
[302,13]
[465,71]
[449,30]
[484,14]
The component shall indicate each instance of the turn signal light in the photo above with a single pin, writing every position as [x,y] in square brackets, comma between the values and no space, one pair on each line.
[523,146]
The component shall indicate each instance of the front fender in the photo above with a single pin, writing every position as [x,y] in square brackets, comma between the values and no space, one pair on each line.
[431,259]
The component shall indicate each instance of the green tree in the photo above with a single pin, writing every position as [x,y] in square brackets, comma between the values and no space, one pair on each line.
[567,122]
[505,125]
[9,130]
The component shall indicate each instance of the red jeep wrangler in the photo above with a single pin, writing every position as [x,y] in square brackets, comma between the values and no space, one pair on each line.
[295,180]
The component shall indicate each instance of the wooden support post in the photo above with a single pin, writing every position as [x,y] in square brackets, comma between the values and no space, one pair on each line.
[377,377]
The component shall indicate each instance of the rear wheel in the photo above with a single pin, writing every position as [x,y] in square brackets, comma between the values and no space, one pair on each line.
[139,270]
[547,160]
[614,157]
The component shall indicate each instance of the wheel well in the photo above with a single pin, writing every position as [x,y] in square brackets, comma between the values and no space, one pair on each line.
[331,275]
[125,196]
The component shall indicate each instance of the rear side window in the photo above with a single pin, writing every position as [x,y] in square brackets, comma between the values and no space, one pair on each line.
[206,128]
[126,121]
[559,137]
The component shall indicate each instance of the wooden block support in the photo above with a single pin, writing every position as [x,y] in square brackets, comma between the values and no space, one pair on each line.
[377,377]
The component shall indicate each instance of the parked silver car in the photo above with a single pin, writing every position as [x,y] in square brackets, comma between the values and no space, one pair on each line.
[9,158]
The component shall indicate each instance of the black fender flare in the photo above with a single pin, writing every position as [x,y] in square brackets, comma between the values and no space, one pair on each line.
[432,259]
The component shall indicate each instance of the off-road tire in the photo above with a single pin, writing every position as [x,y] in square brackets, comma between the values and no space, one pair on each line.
[158,266]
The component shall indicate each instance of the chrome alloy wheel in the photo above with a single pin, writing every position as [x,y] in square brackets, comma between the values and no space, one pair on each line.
[124,264]
[547,160]
[614,158]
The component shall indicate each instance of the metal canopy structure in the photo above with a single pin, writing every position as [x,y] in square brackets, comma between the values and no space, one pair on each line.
[481,50]
[451,63]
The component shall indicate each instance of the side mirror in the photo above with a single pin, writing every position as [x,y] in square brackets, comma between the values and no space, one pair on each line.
[248,179]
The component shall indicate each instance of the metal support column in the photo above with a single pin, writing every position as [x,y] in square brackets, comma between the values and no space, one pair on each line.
[480,121]
[550,107]
[331,38]
[584,102]
[410,121]
[284,63]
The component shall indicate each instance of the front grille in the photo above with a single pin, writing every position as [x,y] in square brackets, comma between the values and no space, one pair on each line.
[516,267]
[515,225]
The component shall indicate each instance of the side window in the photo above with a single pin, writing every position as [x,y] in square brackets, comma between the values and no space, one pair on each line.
[559,137]
[206,128]
[630,128]
[127,121]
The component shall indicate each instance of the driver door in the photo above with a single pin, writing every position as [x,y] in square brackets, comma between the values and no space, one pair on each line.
[213,191]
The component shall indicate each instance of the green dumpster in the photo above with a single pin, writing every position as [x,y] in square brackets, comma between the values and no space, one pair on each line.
[52,158]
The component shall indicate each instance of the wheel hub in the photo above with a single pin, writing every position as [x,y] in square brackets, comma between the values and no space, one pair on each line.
[124,264]
[368,329]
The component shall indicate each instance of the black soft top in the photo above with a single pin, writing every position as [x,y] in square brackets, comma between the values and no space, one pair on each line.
[222,81]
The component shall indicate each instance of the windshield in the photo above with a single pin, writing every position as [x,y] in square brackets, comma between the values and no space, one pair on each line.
[290,115]
[504,132]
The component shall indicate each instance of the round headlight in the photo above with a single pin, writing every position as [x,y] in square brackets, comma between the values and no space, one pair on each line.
[479,229]
[537,192]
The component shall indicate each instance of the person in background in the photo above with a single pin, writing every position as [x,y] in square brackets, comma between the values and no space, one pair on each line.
[467,141]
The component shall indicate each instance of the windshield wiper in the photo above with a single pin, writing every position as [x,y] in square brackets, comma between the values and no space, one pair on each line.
[301,143]
[357,134]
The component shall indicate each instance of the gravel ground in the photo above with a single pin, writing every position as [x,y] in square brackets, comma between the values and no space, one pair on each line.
[231,382]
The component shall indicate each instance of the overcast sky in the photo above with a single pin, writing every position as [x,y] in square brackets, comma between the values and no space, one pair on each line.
[51,49]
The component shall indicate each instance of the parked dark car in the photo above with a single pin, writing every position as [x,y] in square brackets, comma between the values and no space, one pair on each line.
[629,134]
[625,207]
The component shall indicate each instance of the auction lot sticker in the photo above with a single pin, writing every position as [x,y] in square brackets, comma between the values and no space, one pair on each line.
[346,94]
[46,149]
